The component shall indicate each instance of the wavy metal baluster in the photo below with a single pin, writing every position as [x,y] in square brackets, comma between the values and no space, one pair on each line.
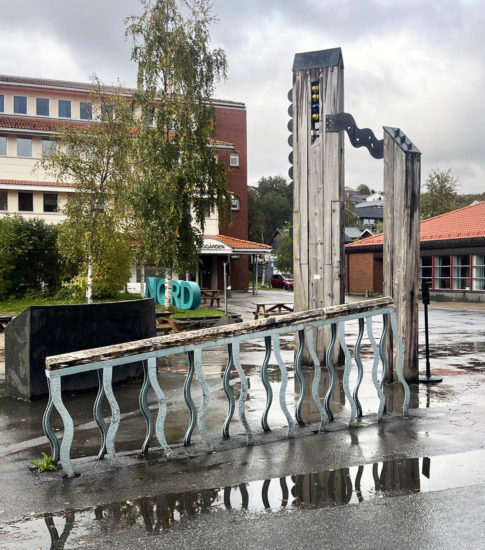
[400,356]
[145,411]
[375,379]
[299,375]
[266,384]
[264,494]
[382,351]
[48,428]
[162,405]
[188,398]
[65,450]
[284,383]
[115,410]
[204,407]
[244,495]
[98,415]
[227,498]
[331,371]
[348,367]
[284,492]
[360,368]
[358,477]
[229,394]
[316,380]
[242,394]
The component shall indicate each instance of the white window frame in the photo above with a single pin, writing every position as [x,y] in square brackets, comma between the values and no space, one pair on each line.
[234,160]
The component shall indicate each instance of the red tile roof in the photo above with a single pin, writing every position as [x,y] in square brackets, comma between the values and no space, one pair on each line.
[238,243]
[38,124]
[38,183]
[54,125]
[464,223]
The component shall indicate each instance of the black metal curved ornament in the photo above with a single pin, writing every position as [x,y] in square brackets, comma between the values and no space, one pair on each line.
[358,137]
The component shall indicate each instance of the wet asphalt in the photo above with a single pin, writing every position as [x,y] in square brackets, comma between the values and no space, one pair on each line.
[416,482]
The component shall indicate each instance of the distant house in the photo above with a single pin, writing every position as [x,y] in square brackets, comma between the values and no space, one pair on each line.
[370,213]
[452,257]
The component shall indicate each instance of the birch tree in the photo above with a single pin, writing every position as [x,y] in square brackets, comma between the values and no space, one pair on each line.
[177,171]
[96,158]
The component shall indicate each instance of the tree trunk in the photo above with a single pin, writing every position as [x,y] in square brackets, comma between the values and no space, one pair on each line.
[89,288]
[142,280]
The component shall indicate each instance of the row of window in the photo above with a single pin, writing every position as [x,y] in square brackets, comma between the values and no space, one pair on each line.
[465,272]
[26,201]
[24,146]
[43,107]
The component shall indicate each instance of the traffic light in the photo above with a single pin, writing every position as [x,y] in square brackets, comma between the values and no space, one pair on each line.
[315,109]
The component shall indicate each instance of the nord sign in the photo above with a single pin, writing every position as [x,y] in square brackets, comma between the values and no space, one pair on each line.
[185,294]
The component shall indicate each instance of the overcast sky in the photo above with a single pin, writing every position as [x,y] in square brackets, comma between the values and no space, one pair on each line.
[413,64]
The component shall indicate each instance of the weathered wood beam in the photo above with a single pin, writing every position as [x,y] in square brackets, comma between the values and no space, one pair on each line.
[318,203]
[402,175]
[202,336]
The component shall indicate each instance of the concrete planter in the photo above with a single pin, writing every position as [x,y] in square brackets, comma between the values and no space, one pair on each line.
[40,331]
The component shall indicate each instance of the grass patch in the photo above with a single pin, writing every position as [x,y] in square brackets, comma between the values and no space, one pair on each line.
[14,306]
[187,313]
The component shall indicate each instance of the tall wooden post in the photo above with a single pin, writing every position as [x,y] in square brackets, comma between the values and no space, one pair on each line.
[402,175]
[318,195]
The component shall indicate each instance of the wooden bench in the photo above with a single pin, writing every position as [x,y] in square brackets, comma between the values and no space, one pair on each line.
[269,310]
[212,295]
[4,321]
[164,322]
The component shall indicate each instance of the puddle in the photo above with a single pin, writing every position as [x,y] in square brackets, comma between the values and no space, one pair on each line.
[156,514]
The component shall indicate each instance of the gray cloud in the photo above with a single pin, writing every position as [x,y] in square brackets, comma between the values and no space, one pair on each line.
[417,65]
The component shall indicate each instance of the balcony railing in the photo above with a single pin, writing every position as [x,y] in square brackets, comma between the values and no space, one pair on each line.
[105,359]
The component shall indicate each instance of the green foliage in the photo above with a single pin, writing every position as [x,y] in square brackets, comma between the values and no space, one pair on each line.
[284,251]
[177,173]
[270,207]
[111,269]
[97,158]
[364,189]
[440,196]
[29,260]
[45,464]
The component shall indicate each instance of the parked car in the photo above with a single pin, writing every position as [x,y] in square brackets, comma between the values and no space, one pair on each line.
[281,280]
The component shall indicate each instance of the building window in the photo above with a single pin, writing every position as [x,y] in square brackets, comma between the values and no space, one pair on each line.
[442,273]
[42,106]
[48,147]
[64,108]
[426,270]
[3,201]
[20,105]
[26,202]
[207,209]
[235,203]
[478,272]
[86,111]
[461,272]
[106,110]
[2,103]
[24,147]
[50,202]
[3,146]
[234,160]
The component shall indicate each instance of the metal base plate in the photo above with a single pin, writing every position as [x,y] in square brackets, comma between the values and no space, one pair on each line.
[430,380]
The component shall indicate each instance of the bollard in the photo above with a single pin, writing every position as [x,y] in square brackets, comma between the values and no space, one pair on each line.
[429,378]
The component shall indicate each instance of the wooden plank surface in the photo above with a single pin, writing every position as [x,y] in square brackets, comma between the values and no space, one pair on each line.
[210,334]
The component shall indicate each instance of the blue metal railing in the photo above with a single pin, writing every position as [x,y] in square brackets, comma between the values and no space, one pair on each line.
[105,359]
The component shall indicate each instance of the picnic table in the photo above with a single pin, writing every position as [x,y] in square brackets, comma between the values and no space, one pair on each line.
[271,309]
[164,322]
[4,321]
[211,294]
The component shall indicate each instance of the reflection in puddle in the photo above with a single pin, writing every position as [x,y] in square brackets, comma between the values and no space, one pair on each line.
[155,514]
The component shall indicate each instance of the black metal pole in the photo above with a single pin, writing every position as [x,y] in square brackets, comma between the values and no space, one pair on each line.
[429,378]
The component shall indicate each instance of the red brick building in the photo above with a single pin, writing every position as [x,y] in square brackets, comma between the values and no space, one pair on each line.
[32,110]
[452,254]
